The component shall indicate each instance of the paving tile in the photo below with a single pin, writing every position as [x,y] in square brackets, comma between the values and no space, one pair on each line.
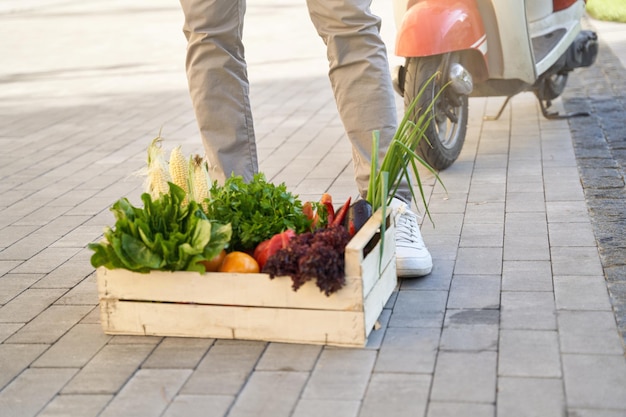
[465,376]
[92,317]
[483,192]
[75,406]
[147,393]
[109,370]
[70,273]
[479,261]
[12,233]
[336,408]
[270,394]
[456,409]
[589,332]
[178,353]
[199,406]
[7,266]
[340,374]
[26,395]
[396,395]
[528,310]
[15,358]
[12,285]
[134,340]
[419,309]
[482,235]
[438,279]
[572,261]
[445,224]
[595,381]
[288,357]
[7,329]
[452,202]
[46,261]
[526,276]
[50,325]
[529,353]
[594,412]
[75,348]
[225,368]
[525,201]
[484,212]
[83,293]
[571,234]
[475,330]
[530,397]
[526,248]
[28,305]
[581,293]
[523,180]
[567,211]
[474,292]
[408,350]
[442,247]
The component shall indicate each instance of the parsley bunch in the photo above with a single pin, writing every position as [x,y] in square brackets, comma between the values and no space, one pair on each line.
[256,210]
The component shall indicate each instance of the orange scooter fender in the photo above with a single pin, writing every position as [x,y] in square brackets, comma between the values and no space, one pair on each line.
[432,27]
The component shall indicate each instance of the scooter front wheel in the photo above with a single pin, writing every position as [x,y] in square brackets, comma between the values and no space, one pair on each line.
[446,131]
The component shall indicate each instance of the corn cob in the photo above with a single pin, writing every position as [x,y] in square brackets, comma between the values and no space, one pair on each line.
[157,175]
[199,184]
[179,170]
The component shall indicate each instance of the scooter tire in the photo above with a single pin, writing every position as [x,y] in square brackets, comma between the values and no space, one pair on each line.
[445,137]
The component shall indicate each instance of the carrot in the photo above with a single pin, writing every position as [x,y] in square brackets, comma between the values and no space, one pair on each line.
[341,214]
[327,201]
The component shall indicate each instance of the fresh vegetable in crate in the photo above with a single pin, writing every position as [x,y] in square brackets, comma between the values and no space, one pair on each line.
[317,255]
[164,234]
[257,210]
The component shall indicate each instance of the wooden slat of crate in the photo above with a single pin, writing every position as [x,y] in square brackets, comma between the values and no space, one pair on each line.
[252,306]
[223,289]
[342,328]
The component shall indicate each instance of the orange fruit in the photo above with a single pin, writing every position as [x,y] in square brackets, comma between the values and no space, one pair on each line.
[239,262]
[212,265]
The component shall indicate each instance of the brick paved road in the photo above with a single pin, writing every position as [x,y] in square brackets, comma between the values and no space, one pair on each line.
[514,320]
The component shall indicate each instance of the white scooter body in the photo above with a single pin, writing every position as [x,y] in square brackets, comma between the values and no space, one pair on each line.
[488,48]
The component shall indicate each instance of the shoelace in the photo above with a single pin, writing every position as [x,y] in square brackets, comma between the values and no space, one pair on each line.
[407,228]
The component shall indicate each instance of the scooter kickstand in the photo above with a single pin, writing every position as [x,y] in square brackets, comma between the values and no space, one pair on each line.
[555,115]
[497,116]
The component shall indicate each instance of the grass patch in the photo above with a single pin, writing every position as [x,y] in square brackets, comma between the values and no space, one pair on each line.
[612,10]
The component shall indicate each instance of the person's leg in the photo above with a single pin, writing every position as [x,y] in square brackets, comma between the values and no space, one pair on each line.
[359,75]
[218,85]
[360,78]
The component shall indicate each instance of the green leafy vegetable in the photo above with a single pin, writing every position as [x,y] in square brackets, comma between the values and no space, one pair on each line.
[401,160]
[256,210]
[163,235]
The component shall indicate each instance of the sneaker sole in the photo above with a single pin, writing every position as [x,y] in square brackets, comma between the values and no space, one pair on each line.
[413,273]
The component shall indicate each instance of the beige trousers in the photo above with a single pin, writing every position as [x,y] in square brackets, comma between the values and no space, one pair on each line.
[219,88]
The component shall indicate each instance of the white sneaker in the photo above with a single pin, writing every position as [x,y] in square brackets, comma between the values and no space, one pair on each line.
[412,257]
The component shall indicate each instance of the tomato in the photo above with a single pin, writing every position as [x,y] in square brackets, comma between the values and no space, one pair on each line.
[214,264]
[239,262]
[272,245]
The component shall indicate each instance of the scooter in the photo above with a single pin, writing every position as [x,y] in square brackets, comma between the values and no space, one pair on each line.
[480,48]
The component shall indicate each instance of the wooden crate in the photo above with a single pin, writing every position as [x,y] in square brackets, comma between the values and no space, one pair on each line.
[253,306]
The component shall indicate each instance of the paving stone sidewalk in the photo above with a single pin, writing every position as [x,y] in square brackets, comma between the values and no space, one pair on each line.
[600,147]
[515,320]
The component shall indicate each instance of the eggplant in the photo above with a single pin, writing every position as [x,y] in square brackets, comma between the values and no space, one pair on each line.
[358,214]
